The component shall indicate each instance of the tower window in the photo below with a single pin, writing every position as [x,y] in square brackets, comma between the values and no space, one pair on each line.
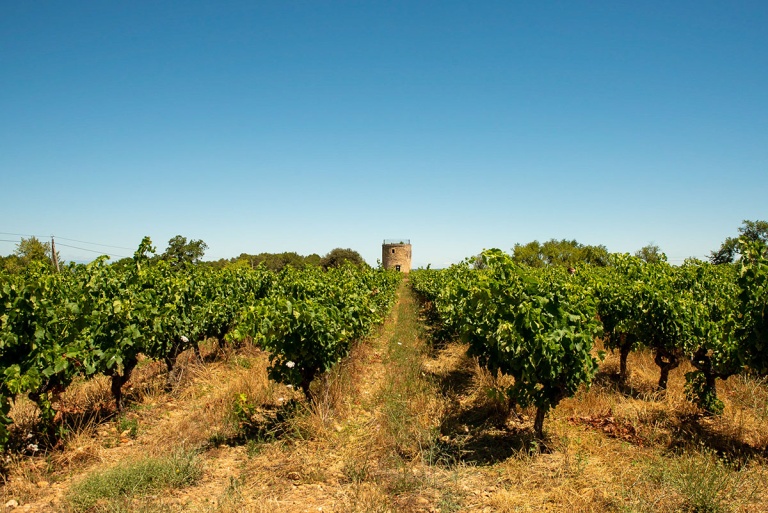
[393,251]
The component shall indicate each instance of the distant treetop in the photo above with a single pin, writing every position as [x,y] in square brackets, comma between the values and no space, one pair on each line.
[730,248]
[338,257]
[180,251]
[565,253]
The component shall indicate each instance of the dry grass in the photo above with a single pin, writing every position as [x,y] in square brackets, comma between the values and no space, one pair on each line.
[668,419]
[196,410]
[366,437]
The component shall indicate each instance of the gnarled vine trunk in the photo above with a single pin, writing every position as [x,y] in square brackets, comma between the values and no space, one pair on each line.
[118,380]
[666,362]
[538,423]
[624,349]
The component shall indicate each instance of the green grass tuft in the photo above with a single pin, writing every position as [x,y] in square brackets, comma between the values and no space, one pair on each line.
[114,489]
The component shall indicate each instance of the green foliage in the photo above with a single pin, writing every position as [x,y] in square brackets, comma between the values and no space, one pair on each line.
[532,326]
[535,325]
[10,264]
[753,305]
[40,347]
[689,312]
[530,254]
[275,262]
[27,251]
[310,318]
[616,289]
[338,257]
[314,260]
[31,250]
[698,391]
[278,261]
[651,253]
[749,232]
[564,253]
[679,312]
[682,312]
[181,251]
[97,319]
[716,352]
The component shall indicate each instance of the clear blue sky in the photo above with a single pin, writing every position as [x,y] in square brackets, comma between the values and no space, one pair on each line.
[303,126]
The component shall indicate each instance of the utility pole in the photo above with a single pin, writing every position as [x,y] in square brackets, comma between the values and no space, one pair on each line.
[54,258]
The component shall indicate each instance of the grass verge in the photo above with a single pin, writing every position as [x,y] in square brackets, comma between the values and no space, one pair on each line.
[410,402]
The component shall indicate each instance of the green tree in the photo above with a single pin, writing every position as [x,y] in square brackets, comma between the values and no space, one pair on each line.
[31,249]
[563,253]
[277,261]
[594,255]
[338,257]
[11,264]
[750,231]
[272,261]
[651,253]
[181,251]
[313,260]
[529,254]
[28,251]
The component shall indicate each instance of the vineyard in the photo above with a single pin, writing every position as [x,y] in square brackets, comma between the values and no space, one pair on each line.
[100,320]
[539,325]
[487,386]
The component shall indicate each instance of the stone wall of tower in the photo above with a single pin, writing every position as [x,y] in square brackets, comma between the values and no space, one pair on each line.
[393,255]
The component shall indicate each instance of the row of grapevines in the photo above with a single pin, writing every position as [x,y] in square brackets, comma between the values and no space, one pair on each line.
[681,313]
[98,319]
[713,316]
[535,326]
[753,305]
[310,319]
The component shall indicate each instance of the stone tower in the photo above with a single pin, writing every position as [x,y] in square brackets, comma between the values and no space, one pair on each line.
[396,254]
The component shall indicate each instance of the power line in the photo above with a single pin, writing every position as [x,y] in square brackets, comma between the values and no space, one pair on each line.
[92,243]
[65,238]
[75,247]
[22,235]
[92,250]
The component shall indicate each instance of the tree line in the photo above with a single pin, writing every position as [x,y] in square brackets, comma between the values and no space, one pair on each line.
[182,251]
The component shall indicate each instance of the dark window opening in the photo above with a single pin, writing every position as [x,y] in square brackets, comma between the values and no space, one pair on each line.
[393,251]
[397,267]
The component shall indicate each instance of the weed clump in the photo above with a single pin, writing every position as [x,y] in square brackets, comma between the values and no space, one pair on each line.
[117,487]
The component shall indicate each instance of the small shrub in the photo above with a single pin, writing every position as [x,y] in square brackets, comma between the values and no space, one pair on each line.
[244,412]
[127,424]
